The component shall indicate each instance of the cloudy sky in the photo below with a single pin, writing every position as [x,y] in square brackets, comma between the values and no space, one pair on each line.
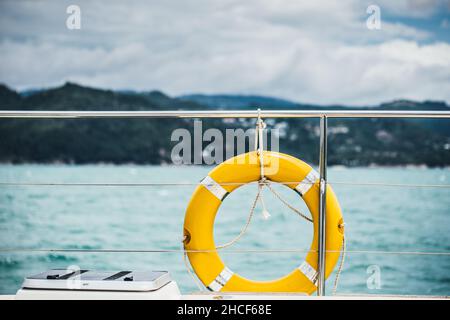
[307,51]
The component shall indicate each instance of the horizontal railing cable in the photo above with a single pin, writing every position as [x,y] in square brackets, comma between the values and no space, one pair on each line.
[176,184]
[380,252]
[395,185]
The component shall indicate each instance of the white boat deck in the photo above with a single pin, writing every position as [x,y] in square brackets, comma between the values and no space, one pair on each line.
[170,291]
[231,296]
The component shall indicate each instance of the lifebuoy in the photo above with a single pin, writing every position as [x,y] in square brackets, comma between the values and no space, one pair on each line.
[229,175]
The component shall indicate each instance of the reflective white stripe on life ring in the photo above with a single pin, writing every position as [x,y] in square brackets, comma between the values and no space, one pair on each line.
[221,280]
[308,182]
[216,189]
[308,271]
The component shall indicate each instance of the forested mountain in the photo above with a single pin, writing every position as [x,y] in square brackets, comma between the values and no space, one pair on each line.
[148,141]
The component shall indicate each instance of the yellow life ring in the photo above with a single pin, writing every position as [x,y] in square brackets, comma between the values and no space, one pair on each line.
[229,175]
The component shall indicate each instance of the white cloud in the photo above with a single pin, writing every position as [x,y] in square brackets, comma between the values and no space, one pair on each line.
[311,51]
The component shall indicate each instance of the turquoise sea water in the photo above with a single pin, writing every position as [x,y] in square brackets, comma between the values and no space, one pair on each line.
[79,217]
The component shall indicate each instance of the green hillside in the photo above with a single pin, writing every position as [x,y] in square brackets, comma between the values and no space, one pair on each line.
[147,141]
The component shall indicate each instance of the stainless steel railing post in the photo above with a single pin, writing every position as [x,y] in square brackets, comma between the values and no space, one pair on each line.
[322,206]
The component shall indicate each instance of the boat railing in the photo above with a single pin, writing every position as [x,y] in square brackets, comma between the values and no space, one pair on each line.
[323,115]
